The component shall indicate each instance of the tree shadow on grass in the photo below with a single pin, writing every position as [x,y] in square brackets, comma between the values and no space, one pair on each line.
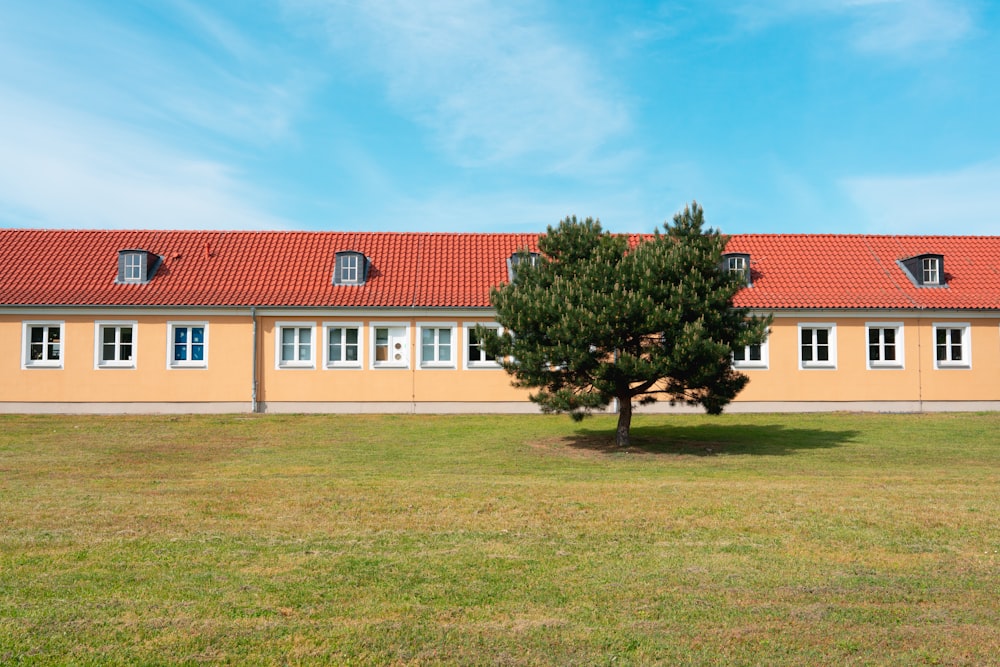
[711,440]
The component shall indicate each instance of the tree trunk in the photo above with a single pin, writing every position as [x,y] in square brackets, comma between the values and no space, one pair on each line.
[624,421]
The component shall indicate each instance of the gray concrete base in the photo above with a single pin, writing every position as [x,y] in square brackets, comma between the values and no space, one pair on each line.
[124,408]
[430,408]
[510,407]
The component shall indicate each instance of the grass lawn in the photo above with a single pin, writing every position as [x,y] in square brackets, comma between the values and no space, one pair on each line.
[742,539]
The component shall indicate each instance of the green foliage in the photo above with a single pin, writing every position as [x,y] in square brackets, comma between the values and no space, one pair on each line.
[599,318]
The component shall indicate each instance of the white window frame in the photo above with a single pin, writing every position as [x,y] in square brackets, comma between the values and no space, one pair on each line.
[451,327]
[189,362]
[468,329]
[966,345]
[279,329]
[829,364]
[333,363]
[898,362]
[349,268]
[403,339]
[45,361]
[132,272]
[737,264]
[117,325]
[930,272]
[761,364]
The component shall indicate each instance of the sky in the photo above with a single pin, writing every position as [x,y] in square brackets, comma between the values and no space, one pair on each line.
[776,116]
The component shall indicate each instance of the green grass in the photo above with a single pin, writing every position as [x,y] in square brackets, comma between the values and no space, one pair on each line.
[763,539]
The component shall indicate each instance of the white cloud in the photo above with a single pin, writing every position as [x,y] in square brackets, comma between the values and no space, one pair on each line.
[206,75]
[965,201]
[902,28]
[64,169]
[491,82]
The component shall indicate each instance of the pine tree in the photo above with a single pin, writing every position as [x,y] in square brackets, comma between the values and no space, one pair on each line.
[595,320]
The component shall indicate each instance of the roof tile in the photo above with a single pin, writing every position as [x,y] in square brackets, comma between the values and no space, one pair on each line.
[440,270]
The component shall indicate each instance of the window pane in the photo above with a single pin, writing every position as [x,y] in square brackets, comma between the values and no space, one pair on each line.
[427,353]
[427,337]
[822,336]
[107,352]
[108,335]
[180,352]
[351,336]
[873,353]
[305,336]
[823,353]
[287,336]
[197,334]
[37,334]
[180,334]
[197,352]
[740,354]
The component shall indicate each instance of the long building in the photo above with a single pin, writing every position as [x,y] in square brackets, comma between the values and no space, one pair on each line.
[210,321]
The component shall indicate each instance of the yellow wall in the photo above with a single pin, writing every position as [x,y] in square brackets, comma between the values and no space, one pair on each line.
[852,380]
[368,384]
[227,377]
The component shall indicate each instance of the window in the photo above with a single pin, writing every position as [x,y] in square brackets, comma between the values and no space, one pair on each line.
[187,345]
[343,345]
[751,356]
[132,272]
[737,264]
[951,345]
[349,269]
[817,346]
[43,343]
[295,345]
[136,266]
[475,355]
[391,346]
[531,258]
[885,344]
[115,343]
[926,270]
[930,271]
[436,346]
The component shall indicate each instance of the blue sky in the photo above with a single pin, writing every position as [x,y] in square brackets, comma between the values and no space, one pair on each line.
[861,116]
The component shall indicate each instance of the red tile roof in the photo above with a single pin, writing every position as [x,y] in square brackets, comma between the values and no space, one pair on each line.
[211,268]
[856,271]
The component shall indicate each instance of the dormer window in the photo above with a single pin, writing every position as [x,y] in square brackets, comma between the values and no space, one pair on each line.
[738,263]
[925,270]
[136,267]
[350,268]
[931,270]
[514,260]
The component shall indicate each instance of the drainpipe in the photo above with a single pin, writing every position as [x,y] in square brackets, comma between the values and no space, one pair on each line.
[253,383]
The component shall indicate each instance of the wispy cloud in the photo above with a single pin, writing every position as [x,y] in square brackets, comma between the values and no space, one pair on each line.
[964,201]
[492,81]
[903,28]
[204,75]
[64,169]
